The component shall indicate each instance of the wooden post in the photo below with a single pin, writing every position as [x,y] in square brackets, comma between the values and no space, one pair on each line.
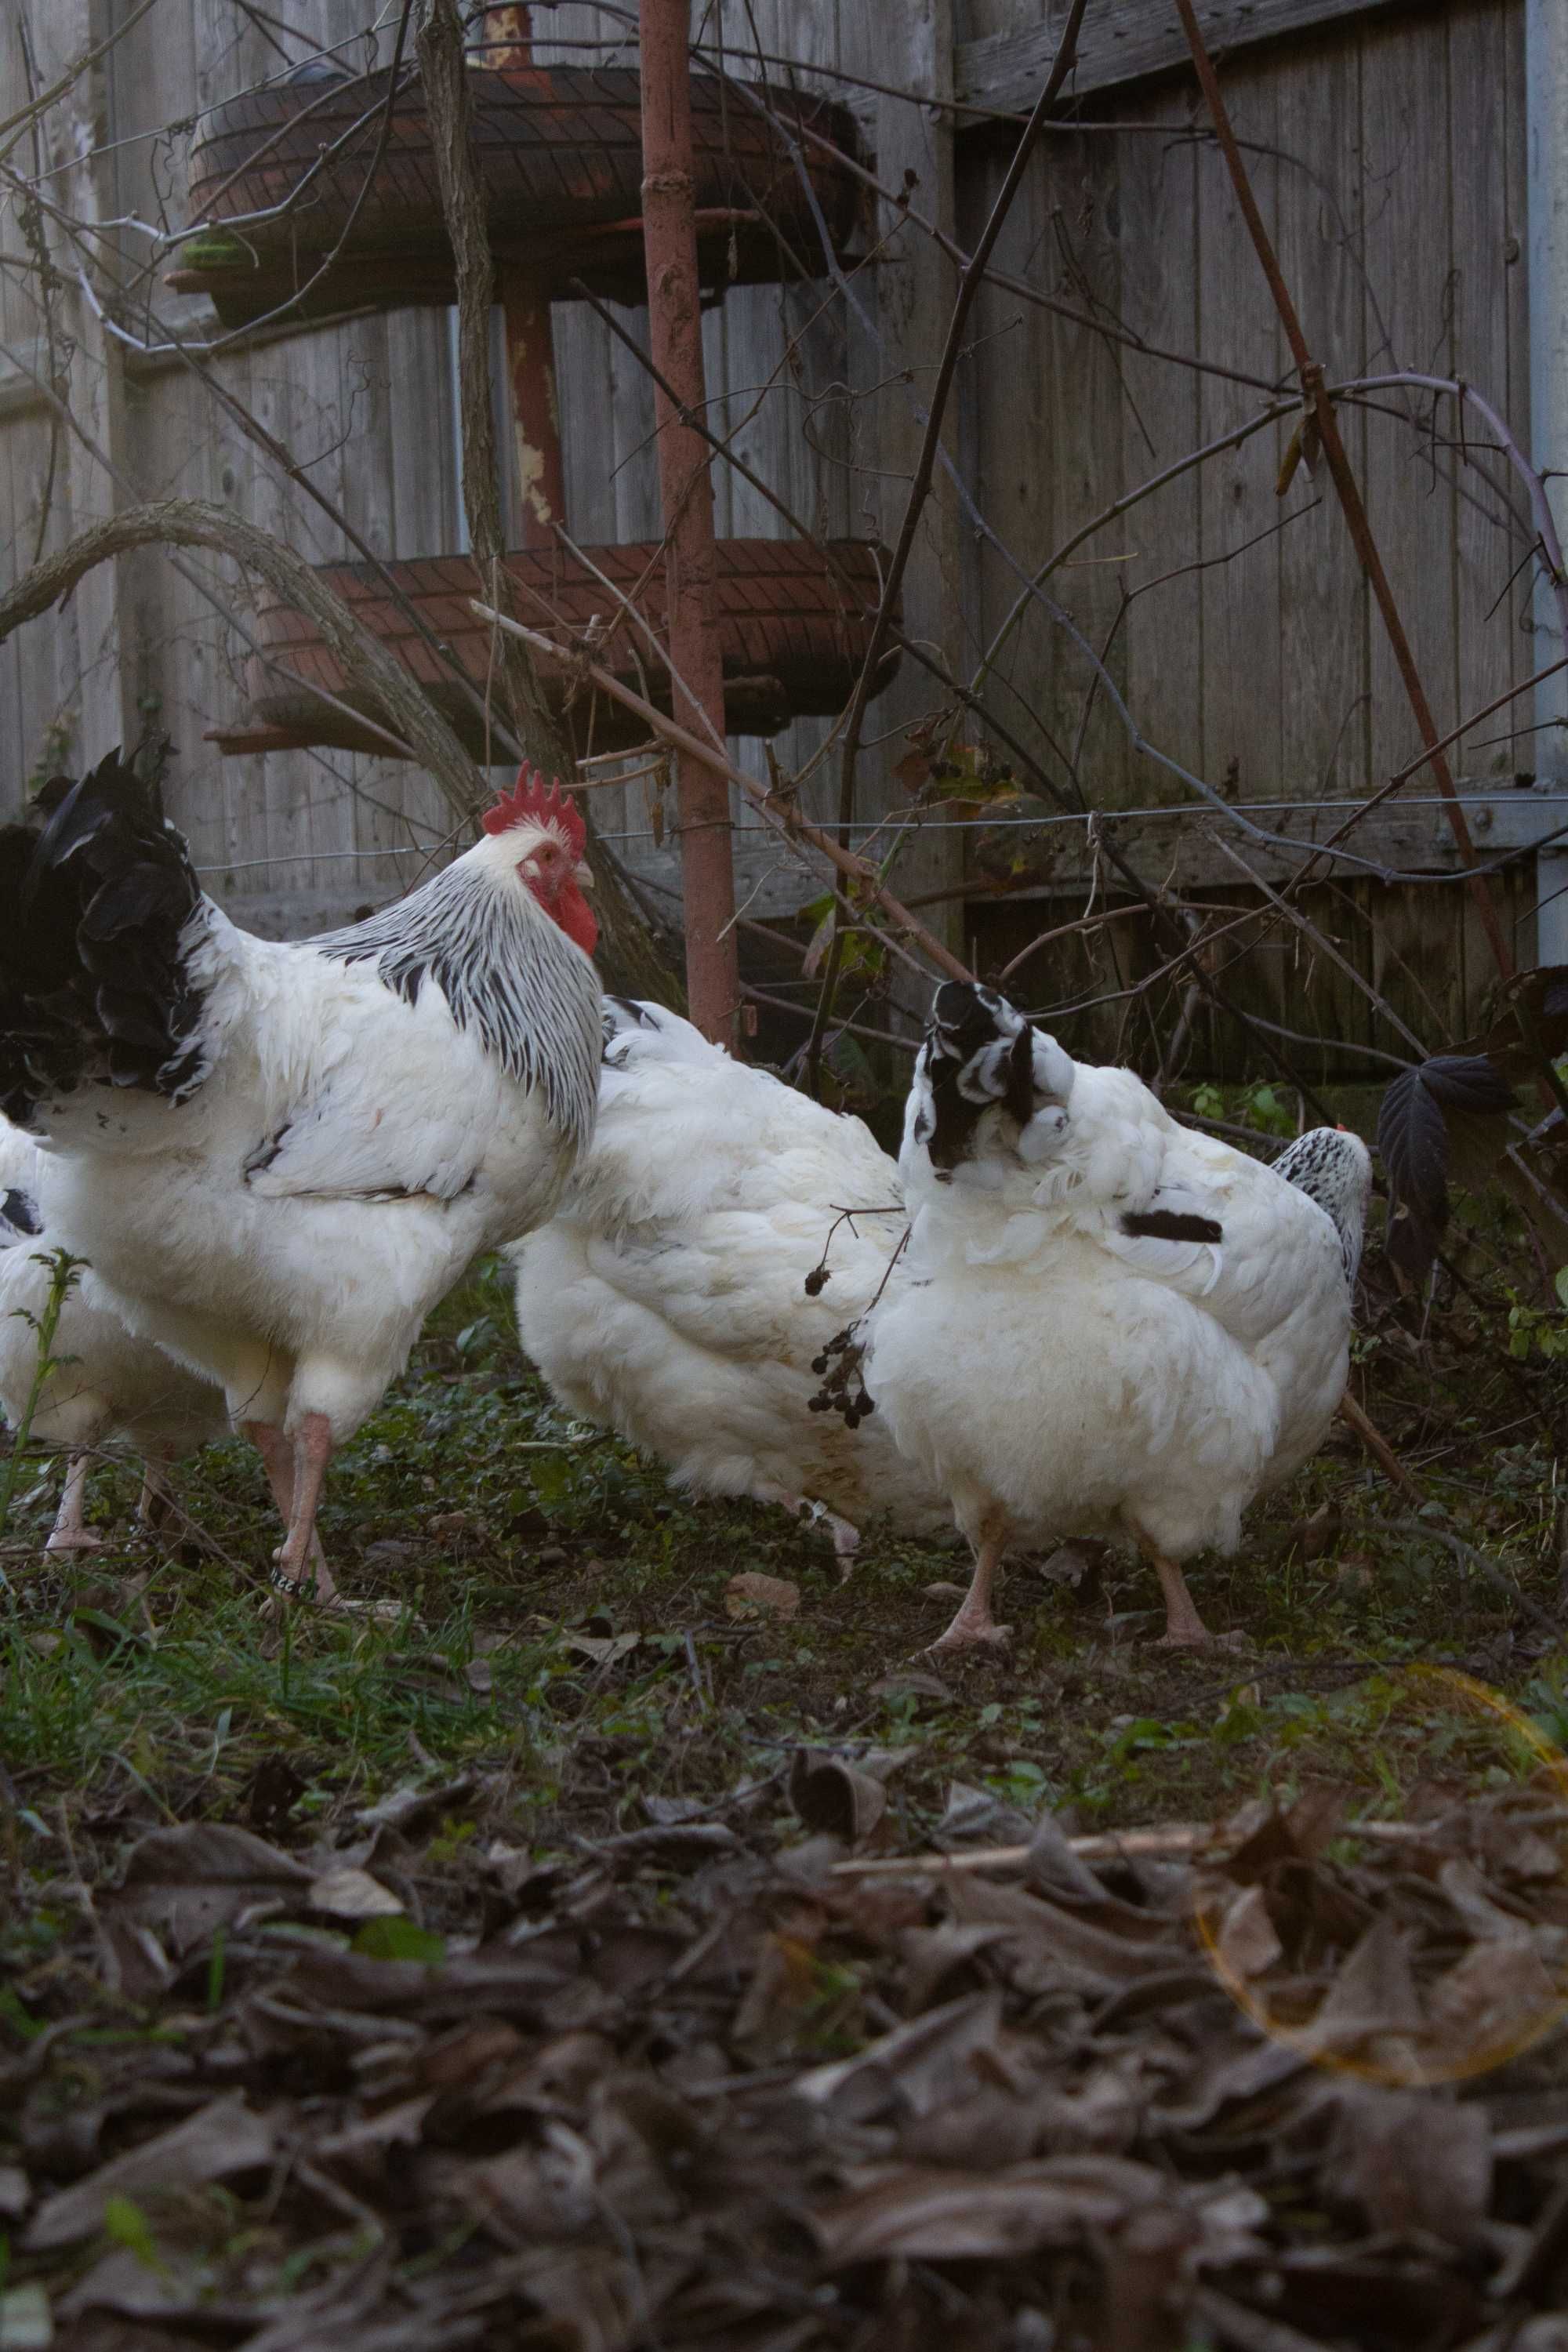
[1546,84]
[914,284]
[685,490]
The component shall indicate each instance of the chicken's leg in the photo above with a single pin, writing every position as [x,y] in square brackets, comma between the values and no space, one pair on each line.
[70,1532]
[1184,1629]
[312,1452]
[153,1504]
[277,1460]
[974,1622]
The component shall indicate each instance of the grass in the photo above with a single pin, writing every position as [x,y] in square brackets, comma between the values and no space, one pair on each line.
[563,1622]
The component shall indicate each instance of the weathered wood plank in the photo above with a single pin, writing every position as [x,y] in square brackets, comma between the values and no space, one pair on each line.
[1126,40]
[1324,599]
[1487,548]
[1084,440]
[1012,396]
[1238,588]
[1515,227]
[1404,837]
[1161,421]
[1409,259]
[910,47]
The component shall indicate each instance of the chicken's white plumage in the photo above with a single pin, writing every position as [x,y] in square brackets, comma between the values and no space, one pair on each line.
[666,1298]
[1113,1325]
[109,1388]
[278,1156]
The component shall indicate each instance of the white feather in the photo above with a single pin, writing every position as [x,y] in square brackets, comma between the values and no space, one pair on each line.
[110,1386]
[666,1298]
[285,1230]
[1056,1375]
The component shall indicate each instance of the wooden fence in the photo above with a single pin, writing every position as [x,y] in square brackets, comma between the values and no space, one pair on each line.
[1231,623]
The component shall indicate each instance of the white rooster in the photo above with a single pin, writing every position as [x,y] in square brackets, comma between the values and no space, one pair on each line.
[669,1296]
[109,1387]
[279,1157]
[1113,1327]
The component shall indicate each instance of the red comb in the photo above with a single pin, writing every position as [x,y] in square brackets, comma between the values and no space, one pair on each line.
[535,802]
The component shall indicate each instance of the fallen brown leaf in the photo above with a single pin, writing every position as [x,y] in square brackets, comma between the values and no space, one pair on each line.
[222,2140]
[755,1595]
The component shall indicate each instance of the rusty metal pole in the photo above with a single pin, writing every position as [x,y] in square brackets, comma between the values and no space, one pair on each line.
[535,412]
[685,490]
[525,310]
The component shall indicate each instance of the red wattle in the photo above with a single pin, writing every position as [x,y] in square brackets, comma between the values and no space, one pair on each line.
[576,917]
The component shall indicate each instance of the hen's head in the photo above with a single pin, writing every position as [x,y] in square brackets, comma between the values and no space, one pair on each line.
[535,836]
[989,1087]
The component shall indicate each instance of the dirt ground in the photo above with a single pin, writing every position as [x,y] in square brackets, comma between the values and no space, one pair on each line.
[490,1972]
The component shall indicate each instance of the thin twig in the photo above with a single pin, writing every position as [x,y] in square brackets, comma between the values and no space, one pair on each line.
[1174,1838]
[793,826]
[1378,1447]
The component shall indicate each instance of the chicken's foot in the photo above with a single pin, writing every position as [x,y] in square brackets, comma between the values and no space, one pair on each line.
[974,1623]
[70,1531]
[1184,1629]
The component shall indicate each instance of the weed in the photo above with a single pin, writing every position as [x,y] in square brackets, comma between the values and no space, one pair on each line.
[64,1273]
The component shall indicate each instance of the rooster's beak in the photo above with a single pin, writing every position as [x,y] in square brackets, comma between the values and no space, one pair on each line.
[581,876]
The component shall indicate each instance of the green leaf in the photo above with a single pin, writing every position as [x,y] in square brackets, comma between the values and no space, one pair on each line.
[16,2016]
[552,1482]
[820,941]
[399,1939]
[125,2222]
[1560,1284]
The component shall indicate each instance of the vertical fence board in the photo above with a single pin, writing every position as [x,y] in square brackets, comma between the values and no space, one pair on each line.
[1404,112]
[1323,598]
[1487,548]
[1239,598]
[1162,422]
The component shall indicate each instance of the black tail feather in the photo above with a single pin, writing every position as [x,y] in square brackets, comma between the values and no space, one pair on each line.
[1414,1136]
[1171,1225]
[95,911]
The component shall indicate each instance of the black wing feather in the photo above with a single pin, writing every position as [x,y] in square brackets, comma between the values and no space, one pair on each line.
[96,908]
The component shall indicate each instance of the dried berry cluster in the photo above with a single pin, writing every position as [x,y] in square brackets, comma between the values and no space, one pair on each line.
[843,1386]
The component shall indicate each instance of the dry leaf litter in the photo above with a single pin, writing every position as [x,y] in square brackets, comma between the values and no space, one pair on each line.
[693,2087]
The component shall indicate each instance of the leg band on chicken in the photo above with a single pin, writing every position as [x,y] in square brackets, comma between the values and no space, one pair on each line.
[282,1459]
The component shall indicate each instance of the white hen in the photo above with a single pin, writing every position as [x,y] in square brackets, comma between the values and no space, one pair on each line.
[109,1388]
[279,1157]
[667,1296]
[1113,1327]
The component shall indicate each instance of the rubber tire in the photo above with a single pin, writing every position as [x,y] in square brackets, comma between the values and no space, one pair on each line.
[560,153]
[795,626]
